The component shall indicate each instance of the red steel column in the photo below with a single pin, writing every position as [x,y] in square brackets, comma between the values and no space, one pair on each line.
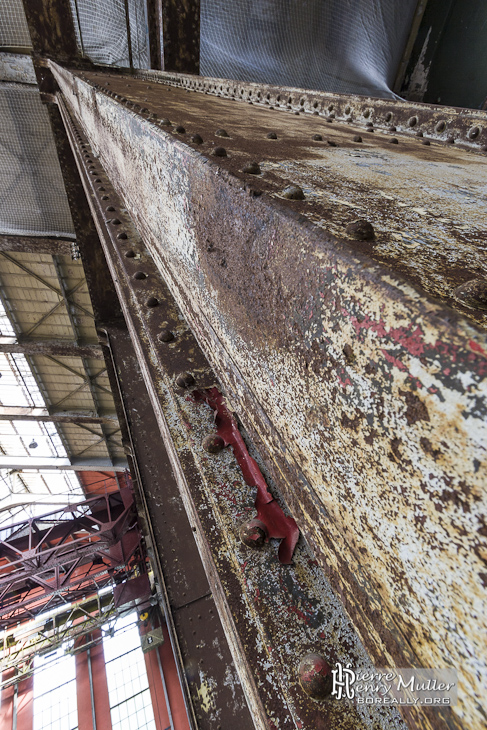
[7,706]
[100,688]
[156,660]
[17,700]
[25,704]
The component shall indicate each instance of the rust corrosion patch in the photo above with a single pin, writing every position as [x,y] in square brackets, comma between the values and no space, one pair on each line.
[366,392]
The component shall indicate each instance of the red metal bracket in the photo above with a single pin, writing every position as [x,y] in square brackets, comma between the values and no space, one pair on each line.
[268,510]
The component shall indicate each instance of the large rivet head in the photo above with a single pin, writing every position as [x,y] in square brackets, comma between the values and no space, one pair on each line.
[473,132]
[220,152]
[361,230]
[473,294]
[253,533]
[221,133]
[293,192]
[252,168]
[213,443]
[185,380]
[315,676]
[165,335]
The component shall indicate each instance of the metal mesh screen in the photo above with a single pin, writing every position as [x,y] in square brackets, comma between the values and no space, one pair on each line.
[13,25]
[329,45]
[101,29]
[32,193]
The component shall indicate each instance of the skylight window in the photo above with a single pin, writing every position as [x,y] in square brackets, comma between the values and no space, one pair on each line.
[26,493]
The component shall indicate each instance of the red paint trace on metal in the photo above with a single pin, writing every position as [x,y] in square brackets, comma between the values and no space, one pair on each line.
[268,510]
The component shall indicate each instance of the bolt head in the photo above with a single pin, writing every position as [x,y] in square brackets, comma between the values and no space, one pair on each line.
[185,380]
[253,533]
[180,129]
[220,152]
[361,230]
[221,133]
[317,137]
[473,294]
[315,676]
[164,123]
[252,168]
[197,139]
[272,135]
[293,192]
[213,443]
[165,336]
[357,138]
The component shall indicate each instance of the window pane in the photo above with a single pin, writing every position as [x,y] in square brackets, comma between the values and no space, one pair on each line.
[128,687]
[55,703]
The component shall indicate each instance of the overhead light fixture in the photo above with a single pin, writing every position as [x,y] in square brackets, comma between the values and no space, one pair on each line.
[33,445]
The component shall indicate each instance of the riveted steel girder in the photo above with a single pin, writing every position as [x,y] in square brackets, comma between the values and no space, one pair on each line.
[273,609]
[351,356]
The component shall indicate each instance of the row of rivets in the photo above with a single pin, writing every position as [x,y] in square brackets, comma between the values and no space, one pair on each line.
[472,294]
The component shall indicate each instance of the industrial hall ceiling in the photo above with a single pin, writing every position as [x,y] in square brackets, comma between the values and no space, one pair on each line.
[243,302]
[56,408]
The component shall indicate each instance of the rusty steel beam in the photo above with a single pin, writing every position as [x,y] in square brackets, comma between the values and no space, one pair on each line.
[218,680]
[337,318]
[26,413]
[181,36]
[36,244]
[155,24]
[103,299]
[59,348]
[211,678]
[51,30]
[272,606]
